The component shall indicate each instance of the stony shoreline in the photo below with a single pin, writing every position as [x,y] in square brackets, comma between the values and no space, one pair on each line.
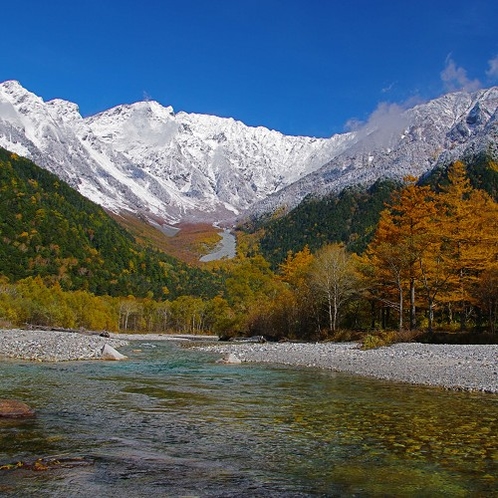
[50,345]
[463,367]
[460,367]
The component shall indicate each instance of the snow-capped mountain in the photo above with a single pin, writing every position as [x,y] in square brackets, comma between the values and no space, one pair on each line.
[171,167]
[147,159]
[396,143]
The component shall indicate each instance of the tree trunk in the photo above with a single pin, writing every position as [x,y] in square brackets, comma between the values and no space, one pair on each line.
[413,309]
[430,315]
[373,312]
[331,315]
[401,310]
[336,312]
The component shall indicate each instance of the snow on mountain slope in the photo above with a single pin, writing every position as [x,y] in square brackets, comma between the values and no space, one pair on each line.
[396,143]
[209,160]
[144,158]
[171,167]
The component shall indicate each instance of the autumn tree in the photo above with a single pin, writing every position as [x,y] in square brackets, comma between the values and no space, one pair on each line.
[468,227]
[399,247]
[485,296]
[129,313]
[435,245]
[189,314]
[250,286]
[334,279]
[221,318]
[299,305]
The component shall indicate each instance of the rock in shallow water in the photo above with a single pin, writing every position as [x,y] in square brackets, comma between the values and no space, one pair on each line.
[109,353]
[230,359]
[10,408]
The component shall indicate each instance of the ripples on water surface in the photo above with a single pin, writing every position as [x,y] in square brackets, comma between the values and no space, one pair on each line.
[172,422]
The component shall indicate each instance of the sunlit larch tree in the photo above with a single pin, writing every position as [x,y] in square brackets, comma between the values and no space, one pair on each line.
[468,225]
[334,278]
[399,247]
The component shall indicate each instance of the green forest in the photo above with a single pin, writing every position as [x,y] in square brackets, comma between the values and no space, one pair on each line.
[380,264]
[349,217]
[49,230]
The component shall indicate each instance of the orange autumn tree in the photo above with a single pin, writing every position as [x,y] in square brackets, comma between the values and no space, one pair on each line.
[434,246]
[393,258]
[468,226]
[294,270]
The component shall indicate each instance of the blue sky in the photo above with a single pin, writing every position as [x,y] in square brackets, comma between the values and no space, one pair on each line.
[303,67]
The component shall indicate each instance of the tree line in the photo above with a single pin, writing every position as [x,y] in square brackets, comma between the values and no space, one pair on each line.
[349,217]
[434,257]
[431,264]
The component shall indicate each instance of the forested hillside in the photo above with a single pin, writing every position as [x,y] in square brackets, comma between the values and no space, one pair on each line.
[362,263]
[482,171]
[351,216]
[47,229]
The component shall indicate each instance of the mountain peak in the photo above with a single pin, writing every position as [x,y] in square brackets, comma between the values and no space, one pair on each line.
[64,110]
[12,86]
[145,158]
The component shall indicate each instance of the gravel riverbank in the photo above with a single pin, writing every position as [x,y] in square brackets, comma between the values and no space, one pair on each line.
[465,367]
[49,345]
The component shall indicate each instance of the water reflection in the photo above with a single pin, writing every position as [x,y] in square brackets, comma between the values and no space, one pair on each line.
[173,422]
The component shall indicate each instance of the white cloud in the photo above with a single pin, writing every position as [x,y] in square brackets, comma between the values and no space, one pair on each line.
[353,124]
[383,127]
[388,116]
[455,78]
[492,72]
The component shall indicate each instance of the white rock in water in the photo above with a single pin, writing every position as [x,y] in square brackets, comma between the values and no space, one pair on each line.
[109,353]
[231,359]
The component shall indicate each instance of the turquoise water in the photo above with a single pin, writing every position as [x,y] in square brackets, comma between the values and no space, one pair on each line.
[173,422]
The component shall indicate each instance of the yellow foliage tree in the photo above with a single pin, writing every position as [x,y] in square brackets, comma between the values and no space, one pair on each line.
[468,226]
[399,246]
[437,245]
[333,276]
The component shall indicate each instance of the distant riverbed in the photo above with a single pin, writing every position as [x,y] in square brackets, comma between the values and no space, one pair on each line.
[225,248]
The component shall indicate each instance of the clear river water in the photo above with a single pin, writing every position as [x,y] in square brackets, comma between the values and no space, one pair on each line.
[171,422]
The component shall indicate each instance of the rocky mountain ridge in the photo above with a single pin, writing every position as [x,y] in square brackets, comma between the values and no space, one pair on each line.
[397,143]
[171,167]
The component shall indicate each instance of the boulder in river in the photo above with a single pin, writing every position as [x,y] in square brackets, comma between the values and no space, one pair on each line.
[11,408]
[109,353]
[230,359]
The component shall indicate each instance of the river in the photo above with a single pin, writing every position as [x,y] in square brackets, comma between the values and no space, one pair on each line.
[172,422]
[226,248]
